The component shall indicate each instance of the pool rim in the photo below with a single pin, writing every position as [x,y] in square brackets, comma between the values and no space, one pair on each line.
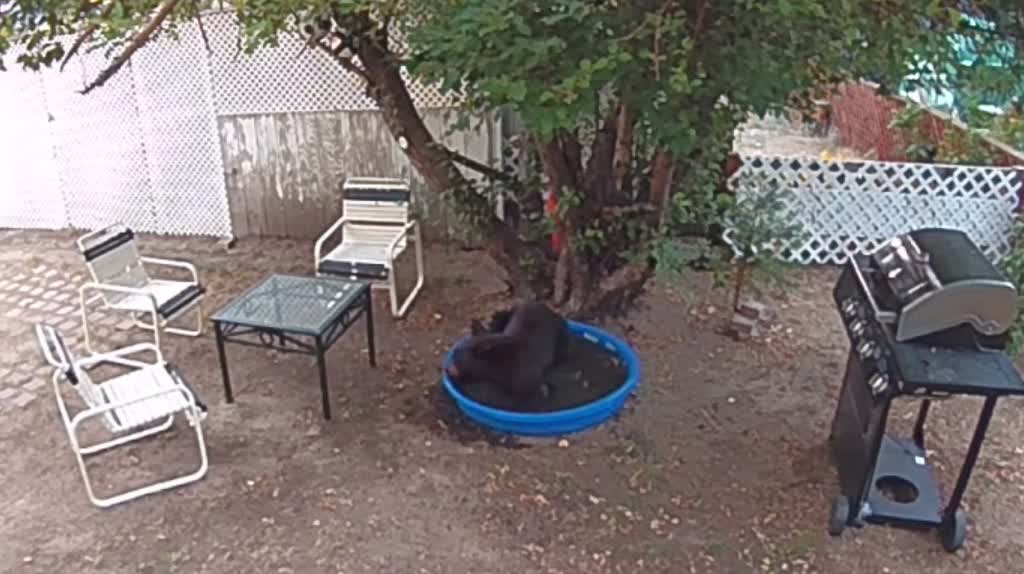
[612,402]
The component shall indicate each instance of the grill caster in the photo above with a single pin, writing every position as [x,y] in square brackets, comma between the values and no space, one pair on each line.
[953,531]
[839,516]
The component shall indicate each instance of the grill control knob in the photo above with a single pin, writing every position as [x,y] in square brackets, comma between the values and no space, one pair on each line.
[850,307]
[857,327]
[867,349]
[878,383]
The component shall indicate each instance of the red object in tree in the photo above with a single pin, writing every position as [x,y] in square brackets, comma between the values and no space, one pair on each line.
[558,237]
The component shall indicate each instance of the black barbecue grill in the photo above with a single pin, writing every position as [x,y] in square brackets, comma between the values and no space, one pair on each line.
[927,316]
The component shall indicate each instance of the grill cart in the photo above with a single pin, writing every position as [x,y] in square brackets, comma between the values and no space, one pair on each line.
[927,316]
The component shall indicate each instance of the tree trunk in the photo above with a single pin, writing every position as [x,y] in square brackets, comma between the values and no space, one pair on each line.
[433,162]
[623,148]
[580,287]
[662,175]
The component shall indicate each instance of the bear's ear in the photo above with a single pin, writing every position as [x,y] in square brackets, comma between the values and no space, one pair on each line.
[476,327]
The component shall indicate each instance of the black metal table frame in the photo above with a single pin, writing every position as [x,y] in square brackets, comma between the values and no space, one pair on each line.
[291,341]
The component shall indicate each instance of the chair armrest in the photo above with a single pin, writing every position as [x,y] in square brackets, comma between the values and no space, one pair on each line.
[173,263]
[324,237]
[92,285]
[103,409]
[45,345]
[394,242]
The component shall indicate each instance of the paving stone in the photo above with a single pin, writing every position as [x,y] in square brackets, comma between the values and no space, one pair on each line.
[63,296]
[108,321]
[39,270]
[22,400]
[13,313]
[24,288]
[36,305]
[69,325]
[7,392]
[50,294]
[50,273]
[37,291]
[34,385]
[57,283]
[19,277]
[66,310]
[4,283]
[50,306]
[24,302]
[125,325]
[21,375]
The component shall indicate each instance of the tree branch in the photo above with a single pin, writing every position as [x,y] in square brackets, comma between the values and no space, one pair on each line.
[598,177]
[346,63]
[85,36]
[481,168]
[143,36]
[202,29]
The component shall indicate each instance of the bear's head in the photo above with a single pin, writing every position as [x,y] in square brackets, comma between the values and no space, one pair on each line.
[476,358]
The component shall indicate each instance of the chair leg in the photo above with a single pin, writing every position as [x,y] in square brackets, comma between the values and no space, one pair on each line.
[166,328]
[79,458]
[85,323]
[190,332]
[401,311]
[148,489]
[393,292]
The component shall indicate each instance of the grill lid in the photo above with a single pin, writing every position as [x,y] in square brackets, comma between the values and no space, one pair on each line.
[936,284]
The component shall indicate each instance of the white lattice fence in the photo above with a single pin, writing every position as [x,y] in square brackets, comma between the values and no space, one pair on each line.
[178,124]
[144,149]
[851,207]
[100,152]
[289,78]
[30,193]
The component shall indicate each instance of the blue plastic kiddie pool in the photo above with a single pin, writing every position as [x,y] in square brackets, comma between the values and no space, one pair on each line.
[561,422]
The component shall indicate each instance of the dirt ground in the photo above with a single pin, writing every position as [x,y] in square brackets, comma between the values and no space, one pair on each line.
[718,463]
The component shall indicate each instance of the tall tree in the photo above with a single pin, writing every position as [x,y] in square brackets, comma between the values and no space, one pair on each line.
[629,105]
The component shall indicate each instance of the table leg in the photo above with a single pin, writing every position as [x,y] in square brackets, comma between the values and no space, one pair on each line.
[972,456]
[922,415]
[223,363]
[370,343]
[322,367]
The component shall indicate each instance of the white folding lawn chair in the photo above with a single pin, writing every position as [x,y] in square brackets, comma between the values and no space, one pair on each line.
[120,280]
[376,228]
[138,404]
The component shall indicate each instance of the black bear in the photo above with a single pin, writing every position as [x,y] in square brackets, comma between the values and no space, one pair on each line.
[514,352]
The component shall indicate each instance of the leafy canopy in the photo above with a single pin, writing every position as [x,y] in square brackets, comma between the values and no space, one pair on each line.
[681,64]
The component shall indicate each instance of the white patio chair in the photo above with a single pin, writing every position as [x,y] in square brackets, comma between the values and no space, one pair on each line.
[376,228]
[131,406]
[120,280]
